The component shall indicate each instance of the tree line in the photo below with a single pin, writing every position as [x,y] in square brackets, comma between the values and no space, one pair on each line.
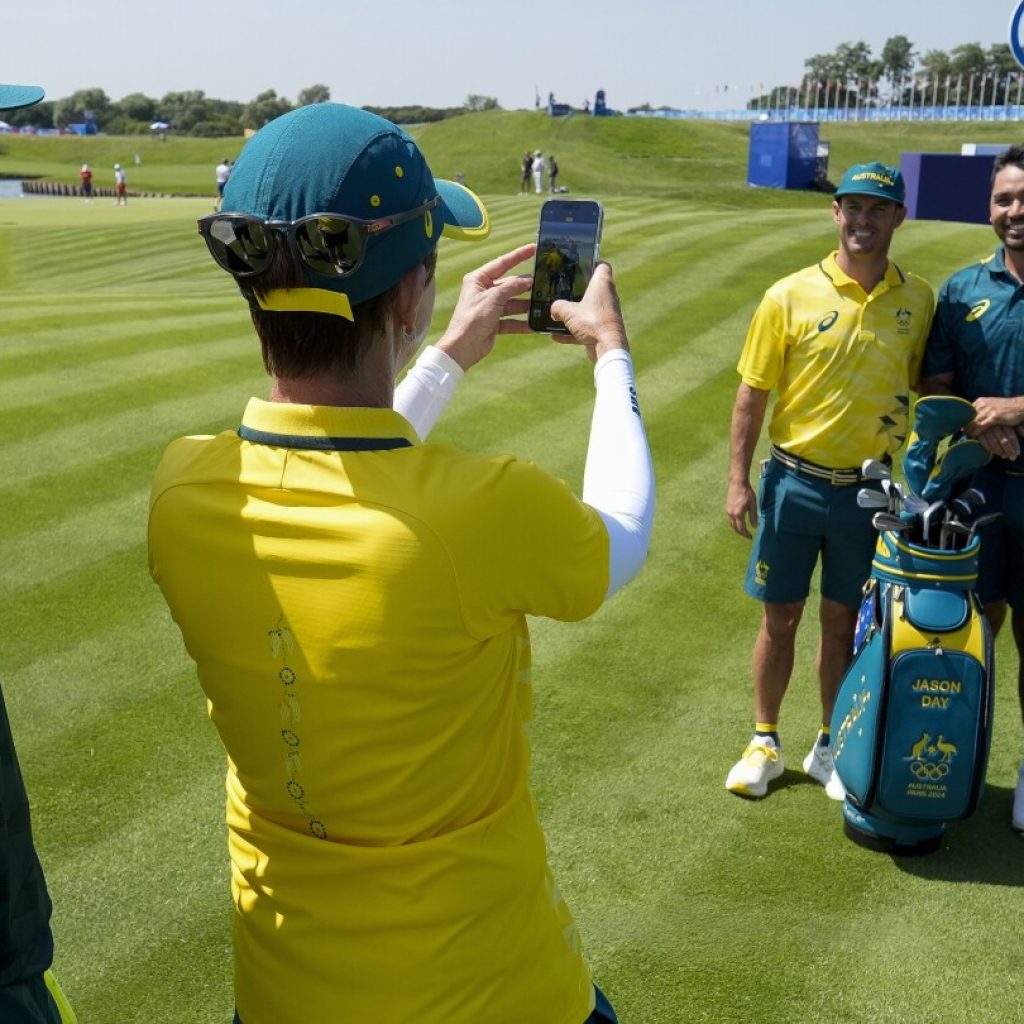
[852,74]
[195,113]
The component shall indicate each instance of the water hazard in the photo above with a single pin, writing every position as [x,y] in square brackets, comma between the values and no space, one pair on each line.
[10,188]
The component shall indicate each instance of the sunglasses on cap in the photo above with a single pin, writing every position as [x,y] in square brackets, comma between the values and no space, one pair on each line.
[326,243]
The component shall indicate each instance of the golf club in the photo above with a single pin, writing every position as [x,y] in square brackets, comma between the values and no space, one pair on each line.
[887,521]
[868,497]
[980,522]
[959,509]
[912,503]
[951,529]
[973,497]
[928,516]
[872,469]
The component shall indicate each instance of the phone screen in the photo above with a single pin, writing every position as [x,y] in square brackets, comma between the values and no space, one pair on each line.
[568,244]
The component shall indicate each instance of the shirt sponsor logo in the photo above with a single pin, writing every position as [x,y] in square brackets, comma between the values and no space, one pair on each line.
[978,310]
[828,320]
[903,318]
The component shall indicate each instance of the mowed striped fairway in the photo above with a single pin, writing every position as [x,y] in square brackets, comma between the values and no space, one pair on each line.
[117,334]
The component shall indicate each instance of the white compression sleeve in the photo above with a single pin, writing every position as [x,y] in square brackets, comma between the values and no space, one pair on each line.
[427,388]
[619,477]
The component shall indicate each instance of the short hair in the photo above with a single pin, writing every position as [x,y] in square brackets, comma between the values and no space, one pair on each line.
[300,344]
[1012,157]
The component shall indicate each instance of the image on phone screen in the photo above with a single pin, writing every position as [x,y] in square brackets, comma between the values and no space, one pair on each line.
[568,244]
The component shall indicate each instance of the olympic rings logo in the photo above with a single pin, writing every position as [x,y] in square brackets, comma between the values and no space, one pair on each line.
[927,769]
[1015,42]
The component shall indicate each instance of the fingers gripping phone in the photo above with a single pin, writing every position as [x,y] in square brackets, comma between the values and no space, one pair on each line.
[568,244]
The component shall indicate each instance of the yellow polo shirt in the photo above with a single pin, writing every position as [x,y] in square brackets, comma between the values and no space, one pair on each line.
[355,604]
[843,362]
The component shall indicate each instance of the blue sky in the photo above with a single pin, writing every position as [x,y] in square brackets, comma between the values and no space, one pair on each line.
[436,52]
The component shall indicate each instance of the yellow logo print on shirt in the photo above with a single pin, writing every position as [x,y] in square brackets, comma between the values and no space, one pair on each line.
[761,570]
[978,311]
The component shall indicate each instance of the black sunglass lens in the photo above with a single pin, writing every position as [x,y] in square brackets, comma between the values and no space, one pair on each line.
[240,246]
[330,246]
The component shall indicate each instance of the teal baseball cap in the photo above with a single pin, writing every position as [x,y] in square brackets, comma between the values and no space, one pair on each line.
[13,97]
[874,179]
[329,158]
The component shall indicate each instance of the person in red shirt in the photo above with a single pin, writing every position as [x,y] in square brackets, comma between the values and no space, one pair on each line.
[86,175]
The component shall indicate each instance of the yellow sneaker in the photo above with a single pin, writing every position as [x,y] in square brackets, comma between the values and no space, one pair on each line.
[761,762]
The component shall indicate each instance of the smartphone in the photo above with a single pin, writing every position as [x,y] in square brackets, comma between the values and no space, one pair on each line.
[568,243]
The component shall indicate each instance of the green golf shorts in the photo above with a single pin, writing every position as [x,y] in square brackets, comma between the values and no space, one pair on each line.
[802,519]
[1001,562]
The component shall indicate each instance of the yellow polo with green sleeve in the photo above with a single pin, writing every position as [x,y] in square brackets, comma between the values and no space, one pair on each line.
[842,361]
[355,604]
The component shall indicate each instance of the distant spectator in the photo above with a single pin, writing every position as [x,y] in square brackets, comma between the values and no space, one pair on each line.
[121,184]
[524,181]
[85,174]
[538,172]
[138,159]
[223,173]
[552,172]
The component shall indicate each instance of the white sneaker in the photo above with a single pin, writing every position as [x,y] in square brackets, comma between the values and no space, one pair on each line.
[1017,821]
[761,762]
[820,766]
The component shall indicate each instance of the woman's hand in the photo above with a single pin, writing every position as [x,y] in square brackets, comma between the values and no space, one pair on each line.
[595,322]
[487,307]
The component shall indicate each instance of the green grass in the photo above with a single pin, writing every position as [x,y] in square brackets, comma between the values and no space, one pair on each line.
[699,161]
[117,334]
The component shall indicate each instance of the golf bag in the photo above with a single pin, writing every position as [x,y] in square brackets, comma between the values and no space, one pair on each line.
[912,722]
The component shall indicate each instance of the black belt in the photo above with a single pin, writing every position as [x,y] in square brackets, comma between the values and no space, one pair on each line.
[838,477]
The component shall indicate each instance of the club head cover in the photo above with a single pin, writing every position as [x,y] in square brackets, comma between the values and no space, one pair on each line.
[960,461]
[935,417]
[939,416]
[918,461]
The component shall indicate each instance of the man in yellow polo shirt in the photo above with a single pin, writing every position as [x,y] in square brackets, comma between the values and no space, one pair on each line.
[840,343]
[355,600]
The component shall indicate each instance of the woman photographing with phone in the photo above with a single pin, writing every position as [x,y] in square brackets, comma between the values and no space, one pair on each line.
[355,599]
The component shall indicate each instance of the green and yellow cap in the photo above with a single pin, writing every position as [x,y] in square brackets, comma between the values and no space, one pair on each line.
[332,158]
[874,179]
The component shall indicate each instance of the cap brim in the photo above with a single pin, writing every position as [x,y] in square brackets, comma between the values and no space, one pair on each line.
[465,216]
[14,96]
[874,194]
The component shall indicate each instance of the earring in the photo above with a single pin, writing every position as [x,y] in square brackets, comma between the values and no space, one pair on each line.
[407,332]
